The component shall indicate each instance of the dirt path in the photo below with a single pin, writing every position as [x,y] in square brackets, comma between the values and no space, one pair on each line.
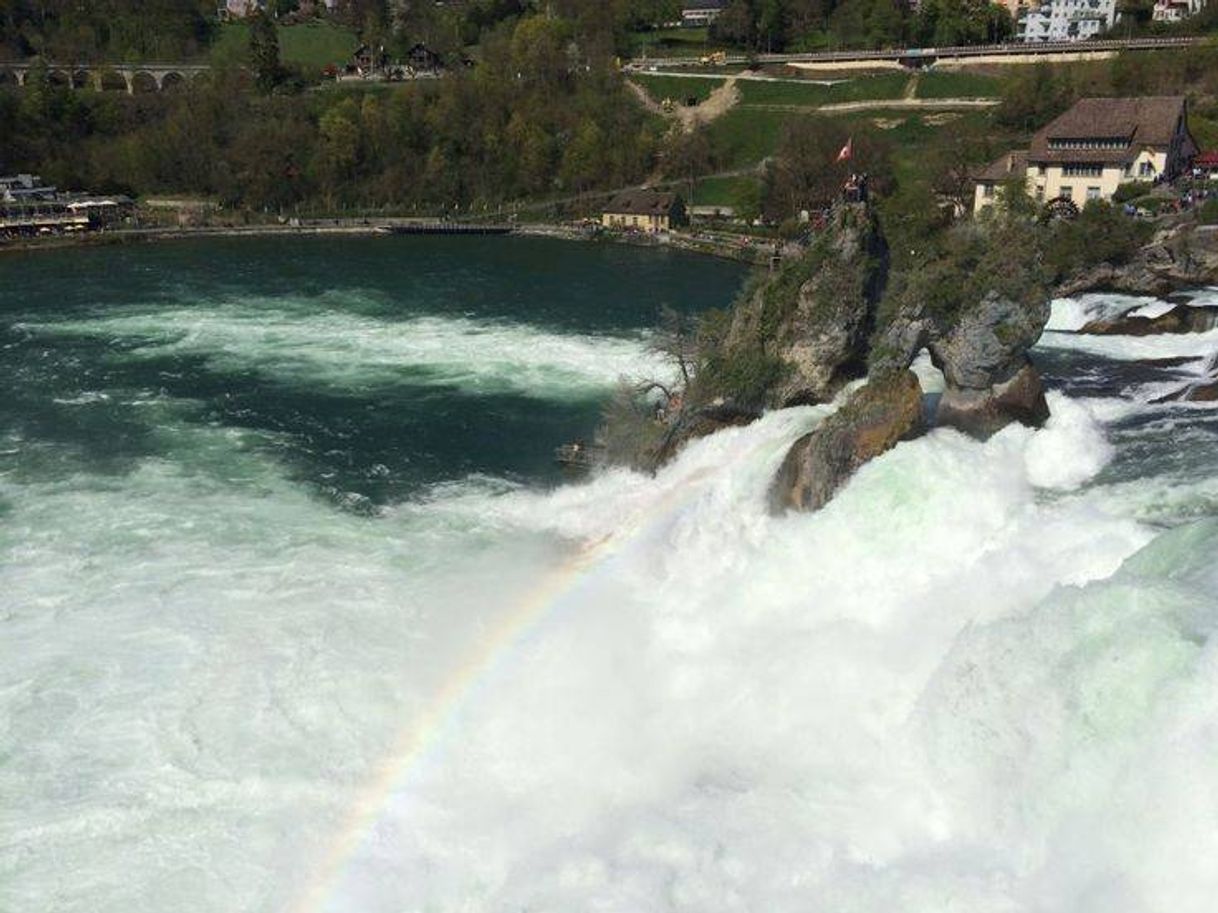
[720,101]
[886,104]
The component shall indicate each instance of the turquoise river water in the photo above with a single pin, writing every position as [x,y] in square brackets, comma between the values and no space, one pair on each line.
[296,613]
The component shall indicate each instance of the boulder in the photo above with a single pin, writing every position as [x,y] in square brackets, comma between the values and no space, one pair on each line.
[873,420]
[982,412]
[1202,391]
[1182,318]
[988,343]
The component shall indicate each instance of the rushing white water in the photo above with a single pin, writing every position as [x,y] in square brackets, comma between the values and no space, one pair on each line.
[302,341]
[982,679]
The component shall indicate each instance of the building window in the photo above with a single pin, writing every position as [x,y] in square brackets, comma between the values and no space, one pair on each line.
[1067,193]
[987,191]
[1146,169]
[1040,192]
[1093,193]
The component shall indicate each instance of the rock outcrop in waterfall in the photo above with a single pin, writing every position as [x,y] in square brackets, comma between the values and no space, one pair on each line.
[813,319]
[878,415]
[1179,255]
[977,302]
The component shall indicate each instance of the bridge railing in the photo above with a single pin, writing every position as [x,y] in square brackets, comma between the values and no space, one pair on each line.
[975,50]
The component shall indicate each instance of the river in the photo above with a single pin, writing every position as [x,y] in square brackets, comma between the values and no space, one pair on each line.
[296,613]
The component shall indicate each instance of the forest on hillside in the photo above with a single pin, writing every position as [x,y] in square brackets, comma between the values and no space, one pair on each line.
[177,29]
[545,114]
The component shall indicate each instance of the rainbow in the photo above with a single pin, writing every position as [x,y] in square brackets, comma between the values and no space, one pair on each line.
[416,740]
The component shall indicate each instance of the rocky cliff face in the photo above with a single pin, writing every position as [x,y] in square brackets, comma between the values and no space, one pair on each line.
[1180,256]
[814,318]
[978,305]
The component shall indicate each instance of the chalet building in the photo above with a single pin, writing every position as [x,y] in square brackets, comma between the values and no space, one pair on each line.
[422,59]
[696,14]
[644,210]
[1095,147]
[366,61]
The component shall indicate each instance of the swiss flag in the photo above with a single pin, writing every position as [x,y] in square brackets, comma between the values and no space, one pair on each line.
[847,152]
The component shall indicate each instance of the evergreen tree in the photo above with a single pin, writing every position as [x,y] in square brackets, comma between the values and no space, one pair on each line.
[264,51]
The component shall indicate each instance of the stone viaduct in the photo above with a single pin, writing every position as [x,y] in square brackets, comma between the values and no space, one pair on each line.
[120,77]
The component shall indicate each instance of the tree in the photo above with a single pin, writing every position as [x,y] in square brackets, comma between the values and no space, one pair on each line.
[582,161]
[264,51]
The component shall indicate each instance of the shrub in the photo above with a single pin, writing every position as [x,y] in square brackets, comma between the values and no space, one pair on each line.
[1101,234]
[1208,213]
[629,430]
[1132,191]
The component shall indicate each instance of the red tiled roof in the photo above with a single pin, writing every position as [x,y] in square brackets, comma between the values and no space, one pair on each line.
[1131,124]
[1207,159]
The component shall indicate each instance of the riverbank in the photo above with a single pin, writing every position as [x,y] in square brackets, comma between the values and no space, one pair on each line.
[739,248]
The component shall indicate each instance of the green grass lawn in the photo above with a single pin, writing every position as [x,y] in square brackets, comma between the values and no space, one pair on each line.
[783,93]
[948,84]
[1204,130]
[678,88]
[309,45]
[911,135]
[744,136]
[888,85]
[727,191]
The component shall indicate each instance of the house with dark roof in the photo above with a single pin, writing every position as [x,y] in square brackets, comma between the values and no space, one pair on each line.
[1095,147]
[644,210]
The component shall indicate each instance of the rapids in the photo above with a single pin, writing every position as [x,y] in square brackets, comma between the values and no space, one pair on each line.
[256,659]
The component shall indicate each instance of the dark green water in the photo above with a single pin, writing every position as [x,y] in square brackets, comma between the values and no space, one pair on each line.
[370,367]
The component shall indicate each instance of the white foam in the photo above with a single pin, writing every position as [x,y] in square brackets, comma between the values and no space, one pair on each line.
[1070,314]
[960,685]
[204,665]
[309,343]
[1136,348]
[1071,449]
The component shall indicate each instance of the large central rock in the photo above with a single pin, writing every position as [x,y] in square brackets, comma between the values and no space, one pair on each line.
[983,357]
[977,299]
[977,309]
